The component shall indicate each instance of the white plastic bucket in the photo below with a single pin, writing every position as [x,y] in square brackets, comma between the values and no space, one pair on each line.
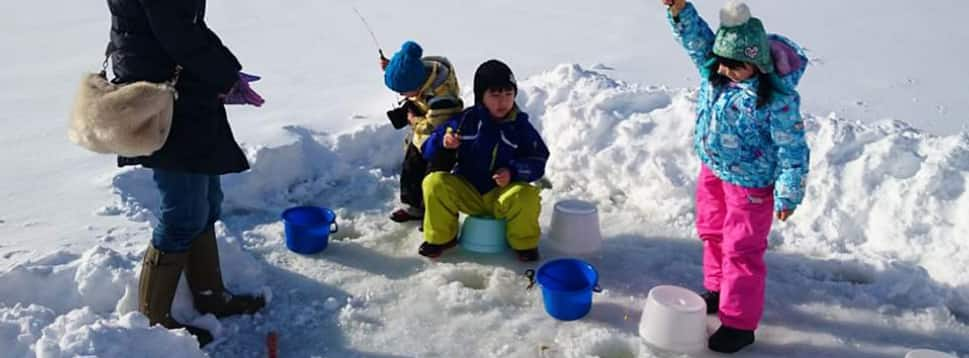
[674,319]
[927,353]
[575,228]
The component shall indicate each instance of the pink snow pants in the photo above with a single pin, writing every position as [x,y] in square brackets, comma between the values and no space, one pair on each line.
[734,222]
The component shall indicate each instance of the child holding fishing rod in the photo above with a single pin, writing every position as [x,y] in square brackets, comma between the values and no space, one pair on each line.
[431,94]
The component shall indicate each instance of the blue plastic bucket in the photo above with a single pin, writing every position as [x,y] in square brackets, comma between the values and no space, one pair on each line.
[483,235]
[308,228]
[567,287]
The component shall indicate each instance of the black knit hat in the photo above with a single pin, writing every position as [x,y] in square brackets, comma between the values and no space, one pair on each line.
[493,75]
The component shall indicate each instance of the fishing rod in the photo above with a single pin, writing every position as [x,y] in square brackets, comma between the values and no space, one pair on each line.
[372,35]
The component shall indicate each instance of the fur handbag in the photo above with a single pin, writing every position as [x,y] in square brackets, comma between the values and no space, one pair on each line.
[130,120]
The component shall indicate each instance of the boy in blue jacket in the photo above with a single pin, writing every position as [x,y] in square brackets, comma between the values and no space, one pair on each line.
[482,162]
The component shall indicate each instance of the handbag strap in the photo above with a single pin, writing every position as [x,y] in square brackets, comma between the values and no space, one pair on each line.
[107,57]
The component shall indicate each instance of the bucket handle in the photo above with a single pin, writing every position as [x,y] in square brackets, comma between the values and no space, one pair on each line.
[335,227]
[596,288]
[530,274]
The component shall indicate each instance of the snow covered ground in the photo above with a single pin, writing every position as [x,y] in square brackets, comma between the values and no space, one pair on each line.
[871,266]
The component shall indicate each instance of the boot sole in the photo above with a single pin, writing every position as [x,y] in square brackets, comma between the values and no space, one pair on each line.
[448,246]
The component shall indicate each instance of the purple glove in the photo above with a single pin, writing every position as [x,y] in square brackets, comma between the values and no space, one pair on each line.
[241,93]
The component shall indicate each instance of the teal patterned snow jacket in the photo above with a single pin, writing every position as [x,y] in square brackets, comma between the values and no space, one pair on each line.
[745,145]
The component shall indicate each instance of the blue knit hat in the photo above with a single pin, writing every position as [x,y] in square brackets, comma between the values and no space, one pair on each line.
[406,71]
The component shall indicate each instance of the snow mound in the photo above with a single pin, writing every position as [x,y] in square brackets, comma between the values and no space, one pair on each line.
[83,333]
[60,281]
[65,305]
[21,326]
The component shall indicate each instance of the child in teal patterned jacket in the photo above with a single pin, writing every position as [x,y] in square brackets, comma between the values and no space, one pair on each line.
[750,139]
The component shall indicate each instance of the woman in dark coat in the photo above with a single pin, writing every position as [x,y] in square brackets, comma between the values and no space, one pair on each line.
[156,41]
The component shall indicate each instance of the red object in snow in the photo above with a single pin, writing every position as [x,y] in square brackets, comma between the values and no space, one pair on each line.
[272,343]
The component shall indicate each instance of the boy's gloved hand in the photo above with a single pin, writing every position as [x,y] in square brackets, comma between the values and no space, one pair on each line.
[502,177]
[384,62]
[412,118]
[451,140]
[242,93]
